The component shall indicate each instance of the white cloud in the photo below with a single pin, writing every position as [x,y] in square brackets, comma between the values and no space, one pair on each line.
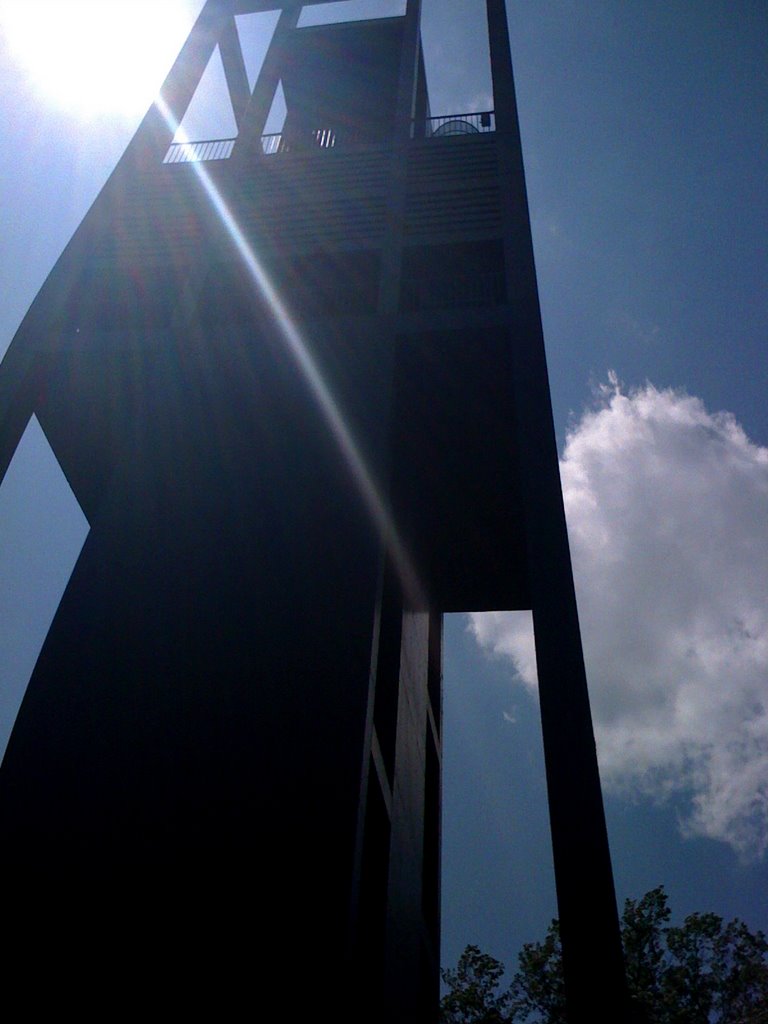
[667,510]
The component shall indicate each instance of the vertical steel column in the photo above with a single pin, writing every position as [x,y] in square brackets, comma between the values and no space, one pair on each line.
[592,955]
[402,964]
[263,94]
[234,70]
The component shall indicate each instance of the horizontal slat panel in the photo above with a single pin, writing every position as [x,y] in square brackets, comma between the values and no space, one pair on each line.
[323,199]
[453,189]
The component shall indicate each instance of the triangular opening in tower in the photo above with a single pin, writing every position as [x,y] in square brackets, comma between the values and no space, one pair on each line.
[43,530]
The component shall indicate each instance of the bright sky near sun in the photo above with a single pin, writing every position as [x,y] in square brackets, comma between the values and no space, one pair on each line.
[95,57]
[645,133]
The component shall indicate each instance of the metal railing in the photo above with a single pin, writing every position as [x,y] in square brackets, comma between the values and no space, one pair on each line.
[320,138]
[459,124]
[325,138]
[194,152]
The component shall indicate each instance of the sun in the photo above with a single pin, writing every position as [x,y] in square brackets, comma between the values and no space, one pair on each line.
[96,57]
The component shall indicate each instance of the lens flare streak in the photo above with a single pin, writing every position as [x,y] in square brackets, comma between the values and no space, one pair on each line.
[305,363]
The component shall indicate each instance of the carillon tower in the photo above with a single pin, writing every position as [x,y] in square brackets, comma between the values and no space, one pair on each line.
[297,384]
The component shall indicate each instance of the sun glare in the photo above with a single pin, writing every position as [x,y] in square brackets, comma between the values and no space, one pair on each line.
[96,57]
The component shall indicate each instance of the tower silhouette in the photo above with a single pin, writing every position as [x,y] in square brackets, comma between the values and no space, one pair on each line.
[297,383]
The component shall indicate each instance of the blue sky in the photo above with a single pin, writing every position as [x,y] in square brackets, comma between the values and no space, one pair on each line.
[645,131]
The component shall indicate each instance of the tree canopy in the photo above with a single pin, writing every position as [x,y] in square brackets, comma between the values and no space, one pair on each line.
[704,971]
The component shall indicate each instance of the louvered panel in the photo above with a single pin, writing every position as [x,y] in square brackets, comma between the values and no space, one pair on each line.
[455,214]
[341,173]
[453,193]
[442,163]
[347,206]
[172,215]
[296,225]
[453,189]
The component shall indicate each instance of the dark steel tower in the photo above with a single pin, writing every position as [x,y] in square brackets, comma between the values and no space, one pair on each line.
[297,384]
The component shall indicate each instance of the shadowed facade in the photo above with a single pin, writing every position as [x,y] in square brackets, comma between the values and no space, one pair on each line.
[297,384]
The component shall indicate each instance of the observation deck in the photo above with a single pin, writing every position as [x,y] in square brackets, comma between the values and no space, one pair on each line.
[300,204]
